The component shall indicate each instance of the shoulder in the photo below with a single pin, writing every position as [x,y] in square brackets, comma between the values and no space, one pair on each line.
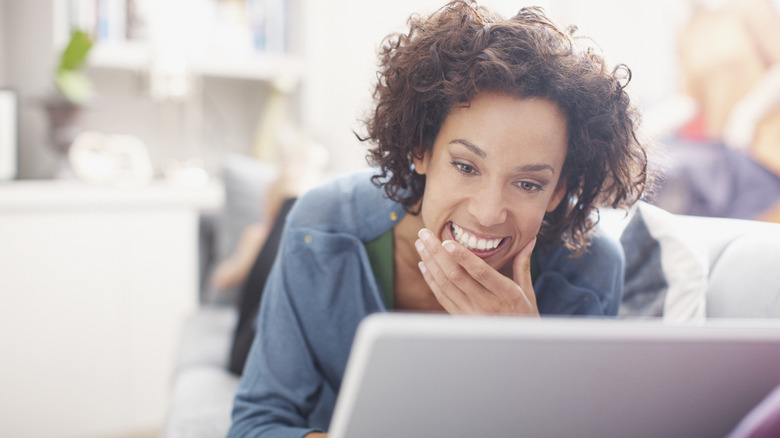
[603,252]
[604,249]
[332,199]
[591,283]
[350,203]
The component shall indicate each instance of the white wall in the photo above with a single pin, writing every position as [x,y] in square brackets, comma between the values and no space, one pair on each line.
[640,34]
[3,39]
[339,39]
[341,42]
[342,37]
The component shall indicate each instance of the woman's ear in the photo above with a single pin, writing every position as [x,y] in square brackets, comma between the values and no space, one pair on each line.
[558,194]
[421,162]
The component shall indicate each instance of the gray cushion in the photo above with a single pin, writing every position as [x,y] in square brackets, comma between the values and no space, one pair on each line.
[246,182]
[666,269]
[645,286]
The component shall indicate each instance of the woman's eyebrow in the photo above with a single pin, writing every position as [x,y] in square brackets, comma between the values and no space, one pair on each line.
[470,146]
[534,168]
[482,154]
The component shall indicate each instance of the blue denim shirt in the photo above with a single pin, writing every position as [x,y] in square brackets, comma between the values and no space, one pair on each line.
[321,286]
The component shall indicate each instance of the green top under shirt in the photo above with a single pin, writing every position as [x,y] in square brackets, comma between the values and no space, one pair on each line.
[380,254]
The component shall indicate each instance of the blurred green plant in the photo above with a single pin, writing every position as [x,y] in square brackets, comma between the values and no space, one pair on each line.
[70,79]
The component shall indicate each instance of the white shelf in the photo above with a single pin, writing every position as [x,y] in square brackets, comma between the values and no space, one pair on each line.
[60,195]
[258,67]
[253,66]
[124,56]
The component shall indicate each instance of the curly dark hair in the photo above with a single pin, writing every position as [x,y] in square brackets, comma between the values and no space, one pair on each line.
[462,49]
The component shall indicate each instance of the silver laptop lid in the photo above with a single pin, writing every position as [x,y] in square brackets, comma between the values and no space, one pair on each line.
[443,376]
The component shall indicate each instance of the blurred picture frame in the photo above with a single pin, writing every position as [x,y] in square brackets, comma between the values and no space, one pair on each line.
[9,133]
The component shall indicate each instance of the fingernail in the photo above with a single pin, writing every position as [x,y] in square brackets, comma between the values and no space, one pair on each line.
[449,245]
[424,234]
[422,267]
[419,245]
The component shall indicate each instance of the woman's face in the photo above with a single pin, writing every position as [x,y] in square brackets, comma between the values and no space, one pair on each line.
[493,172]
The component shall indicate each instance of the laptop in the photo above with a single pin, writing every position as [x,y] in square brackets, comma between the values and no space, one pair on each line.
[414,375]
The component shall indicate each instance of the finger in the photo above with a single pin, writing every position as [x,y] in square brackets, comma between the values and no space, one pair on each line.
[498,293]
[446,302]
[521,272]
[450,278]
[521,265]
[449,295]
[477,269]
[469,281]
[447,272]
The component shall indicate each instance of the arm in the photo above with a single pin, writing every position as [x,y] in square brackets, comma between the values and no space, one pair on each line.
[280,382]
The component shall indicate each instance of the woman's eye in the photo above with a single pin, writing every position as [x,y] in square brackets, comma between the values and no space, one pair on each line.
[463,168]
[529,186]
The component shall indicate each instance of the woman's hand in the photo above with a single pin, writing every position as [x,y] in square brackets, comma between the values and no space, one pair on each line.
[464,283]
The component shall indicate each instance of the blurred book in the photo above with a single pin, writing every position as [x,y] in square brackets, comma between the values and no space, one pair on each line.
[262,24]
[9,125]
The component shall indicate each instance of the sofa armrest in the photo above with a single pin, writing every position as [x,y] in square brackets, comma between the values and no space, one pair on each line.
[201,403]
[203,388]
[715,234]
[744,280]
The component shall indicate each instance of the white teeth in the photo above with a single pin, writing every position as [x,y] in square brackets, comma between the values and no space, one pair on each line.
[471,242]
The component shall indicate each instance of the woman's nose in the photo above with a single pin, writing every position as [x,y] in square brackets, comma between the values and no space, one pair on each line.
[489,207]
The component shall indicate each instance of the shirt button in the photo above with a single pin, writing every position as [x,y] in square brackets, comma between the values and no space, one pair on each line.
[586,298]
[307,239]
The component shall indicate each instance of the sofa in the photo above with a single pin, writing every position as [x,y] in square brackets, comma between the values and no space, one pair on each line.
[677,268]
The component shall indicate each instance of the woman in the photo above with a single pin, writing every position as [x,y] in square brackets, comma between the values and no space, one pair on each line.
[495,141]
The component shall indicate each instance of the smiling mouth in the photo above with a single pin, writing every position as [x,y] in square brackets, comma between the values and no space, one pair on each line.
[475,243]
